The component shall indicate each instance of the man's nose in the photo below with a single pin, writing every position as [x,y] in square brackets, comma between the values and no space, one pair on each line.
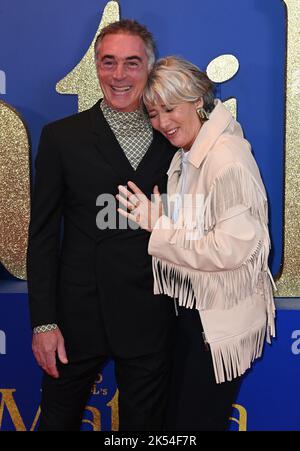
[119,72]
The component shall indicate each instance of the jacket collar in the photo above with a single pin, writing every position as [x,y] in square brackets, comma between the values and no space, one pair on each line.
[175,165]
[218,122]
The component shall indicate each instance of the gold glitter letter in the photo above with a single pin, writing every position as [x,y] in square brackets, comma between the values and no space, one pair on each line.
[289,282]
[96,422]
[113,404]
[8,401]
[14,191]
[222,69]
[82,80]
[242,420]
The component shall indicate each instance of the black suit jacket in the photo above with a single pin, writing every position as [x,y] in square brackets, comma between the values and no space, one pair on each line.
[96,284]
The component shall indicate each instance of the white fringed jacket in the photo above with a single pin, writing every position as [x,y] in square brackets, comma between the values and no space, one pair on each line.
[216,255]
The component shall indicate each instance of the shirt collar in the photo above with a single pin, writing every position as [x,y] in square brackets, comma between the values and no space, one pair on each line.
[137,116]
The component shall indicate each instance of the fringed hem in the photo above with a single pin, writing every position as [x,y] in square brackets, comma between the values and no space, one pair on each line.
[271,310]
[201,289]
[232,357]
[235,185]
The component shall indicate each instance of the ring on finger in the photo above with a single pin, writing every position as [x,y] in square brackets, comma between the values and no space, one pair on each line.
[135,202]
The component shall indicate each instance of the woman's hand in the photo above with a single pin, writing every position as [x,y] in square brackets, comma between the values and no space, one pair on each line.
[142,211]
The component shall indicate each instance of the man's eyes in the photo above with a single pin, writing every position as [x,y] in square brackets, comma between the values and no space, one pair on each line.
[132,64]
[128,65]
[106,64]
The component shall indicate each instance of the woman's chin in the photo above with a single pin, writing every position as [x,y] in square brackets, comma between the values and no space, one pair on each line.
[175,141]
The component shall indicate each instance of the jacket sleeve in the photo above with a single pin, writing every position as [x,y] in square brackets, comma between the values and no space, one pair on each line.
[44,231]
[226,261]
[235,219]
[231,243]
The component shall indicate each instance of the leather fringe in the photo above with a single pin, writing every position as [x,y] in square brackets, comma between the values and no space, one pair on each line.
[233,356]
[235,186]
[195,288]
[201,288]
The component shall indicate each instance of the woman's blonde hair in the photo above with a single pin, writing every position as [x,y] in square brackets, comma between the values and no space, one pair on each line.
[176,81]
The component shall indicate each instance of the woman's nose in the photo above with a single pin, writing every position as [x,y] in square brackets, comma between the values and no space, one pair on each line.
[163,122]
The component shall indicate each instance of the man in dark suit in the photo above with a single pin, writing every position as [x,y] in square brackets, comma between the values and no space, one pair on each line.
[91,287]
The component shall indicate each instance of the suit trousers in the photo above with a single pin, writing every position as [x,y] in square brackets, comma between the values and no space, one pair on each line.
[142,384]
[196,402]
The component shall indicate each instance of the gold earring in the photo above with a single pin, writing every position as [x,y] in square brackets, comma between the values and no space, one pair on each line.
[203,115]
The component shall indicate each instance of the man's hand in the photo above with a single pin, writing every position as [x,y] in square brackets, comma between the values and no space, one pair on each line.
[45,345]
[142,211]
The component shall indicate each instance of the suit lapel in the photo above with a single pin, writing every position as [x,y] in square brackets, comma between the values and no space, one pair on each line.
[107,144]
[158,155]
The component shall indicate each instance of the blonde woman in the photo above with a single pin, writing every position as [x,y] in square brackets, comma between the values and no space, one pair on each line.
[210,249]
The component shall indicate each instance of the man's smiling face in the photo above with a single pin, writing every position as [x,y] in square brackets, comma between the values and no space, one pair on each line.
[122,69]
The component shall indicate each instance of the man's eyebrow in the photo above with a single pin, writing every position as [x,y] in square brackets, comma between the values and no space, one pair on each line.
[128,58]
[107,56]
[134,57]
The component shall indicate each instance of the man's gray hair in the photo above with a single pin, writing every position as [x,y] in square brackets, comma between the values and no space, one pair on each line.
[131,27]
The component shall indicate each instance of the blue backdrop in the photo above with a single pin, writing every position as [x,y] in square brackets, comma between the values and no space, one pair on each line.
[268,400]
[41,42]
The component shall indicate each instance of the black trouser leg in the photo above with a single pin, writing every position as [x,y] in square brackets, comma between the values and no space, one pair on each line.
[196,401]
[143,384]
[64,399]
